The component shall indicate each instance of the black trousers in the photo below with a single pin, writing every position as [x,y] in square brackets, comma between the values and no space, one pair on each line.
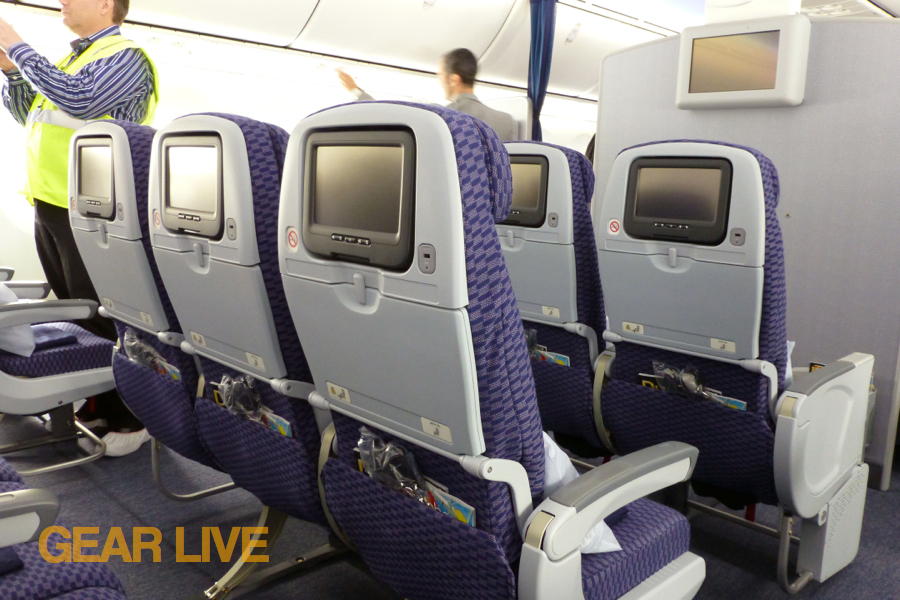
[69,280]
[65,271]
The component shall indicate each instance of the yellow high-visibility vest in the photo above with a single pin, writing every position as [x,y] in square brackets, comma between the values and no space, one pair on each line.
[48,130]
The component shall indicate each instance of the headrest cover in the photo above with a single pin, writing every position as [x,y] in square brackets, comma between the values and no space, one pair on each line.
[580,169]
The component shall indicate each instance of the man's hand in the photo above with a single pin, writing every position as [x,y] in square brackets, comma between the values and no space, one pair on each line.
[8,36]
[5,63]
[346,80]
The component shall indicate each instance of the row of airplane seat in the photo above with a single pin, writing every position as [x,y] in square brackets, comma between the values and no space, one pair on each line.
[24,573]
[378,273]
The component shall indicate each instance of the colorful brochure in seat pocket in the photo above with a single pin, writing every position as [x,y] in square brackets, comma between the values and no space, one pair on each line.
[554,357]
[450,505]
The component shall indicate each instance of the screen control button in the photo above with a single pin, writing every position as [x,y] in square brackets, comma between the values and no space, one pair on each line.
[350,239]
[337,237]
[182,216]
[364,242]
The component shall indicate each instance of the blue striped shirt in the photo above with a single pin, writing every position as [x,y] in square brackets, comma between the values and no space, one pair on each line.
[120,85]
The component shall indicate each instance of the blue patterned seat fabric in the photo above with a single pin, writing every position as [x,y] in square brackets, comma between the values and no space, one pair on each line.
[566,394]
[40,580]
[165,407]
[91,352]
[420,553]
[7,473]
[280,471]
[736,447]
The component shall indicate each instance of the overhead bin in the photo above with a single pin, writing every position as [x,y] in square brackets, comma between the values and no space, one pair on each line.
[581,41]
[403,33]
[276,22]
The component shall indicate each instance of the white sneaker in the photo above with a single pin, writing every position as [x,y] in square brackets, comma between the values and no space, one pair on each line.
[121,444]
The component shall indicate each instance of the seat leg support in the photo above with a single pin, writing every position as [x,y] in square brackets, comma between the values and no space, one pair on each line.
[271,519]
[63,428]
[784,551]
[155,447]
[775,533]
[307,561]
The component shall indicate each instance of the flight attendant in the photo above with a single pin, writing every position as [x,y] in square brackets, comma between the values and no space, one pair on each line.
[106,76]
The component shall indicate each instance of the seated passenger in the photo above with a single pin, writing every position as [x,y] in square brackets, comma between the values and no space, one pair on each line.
[457,75]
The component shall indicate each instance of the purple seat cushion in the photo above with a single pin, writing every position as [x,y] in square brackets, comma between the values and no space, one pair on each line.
[91,352]
[7,473]
[40,580]
[651,536]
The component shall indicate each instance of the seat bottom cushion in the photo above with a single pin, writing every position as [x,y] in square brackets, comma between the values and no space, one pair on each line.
[93,593]
[91,352]
[651,536]
[7,473]
[40,580]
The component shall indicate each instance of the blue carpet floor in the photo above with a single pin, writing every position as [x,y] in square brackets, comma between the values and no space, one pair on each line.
[120,492]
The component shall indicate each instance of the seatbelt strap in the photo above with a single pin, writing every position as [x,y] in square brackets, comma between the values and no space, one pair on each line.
[599,379]
[325,453]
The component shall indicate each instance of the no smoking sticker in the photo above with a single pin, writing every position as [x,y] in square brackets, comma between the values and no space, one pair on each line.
[614,226]
[293,239]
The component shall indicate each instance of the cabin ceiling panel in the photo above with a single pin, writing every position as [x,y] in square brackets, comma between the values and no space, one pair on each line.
[404,33]
[275,22]
[581,41]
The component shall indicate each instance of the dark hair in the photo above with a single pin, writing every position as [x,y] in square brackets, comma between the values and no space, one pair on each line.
[120,11]
[590,149]
[463,63]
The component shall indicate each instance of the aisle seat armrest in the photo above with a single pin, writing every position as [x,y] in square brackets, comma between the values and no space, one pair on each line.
[25,514]
[27,312]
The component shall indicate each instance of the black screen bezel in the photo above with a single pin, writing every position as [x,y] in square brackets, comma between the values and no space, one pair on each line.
[210,224]
[533,218]
[697,232]
[386,250]
[107,208]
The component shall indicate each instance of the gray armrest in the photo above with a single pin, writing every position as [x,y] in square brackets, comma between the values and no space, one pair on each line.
[812,381]
[24,514]
[599,482]
[29,290]
[820,432]
[45,311]
[6,273]
[560,523]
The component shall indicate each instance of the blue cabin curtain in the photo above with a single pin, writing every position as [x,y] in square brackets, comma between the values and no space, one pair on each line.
[543,25]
